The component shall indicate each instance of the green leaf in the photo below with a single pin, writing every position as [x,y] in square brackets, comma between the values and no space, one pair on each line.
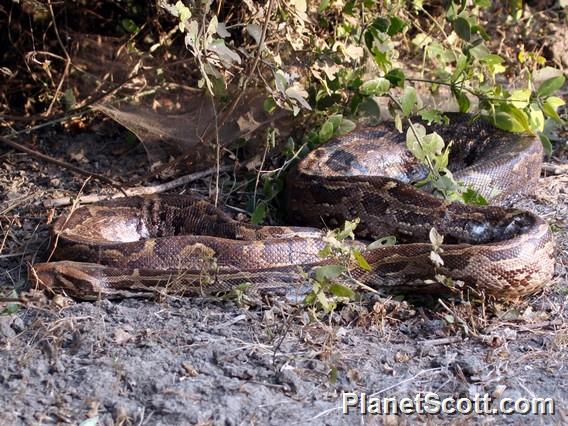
[333,374]
[396,77]
[555,102]
[324,4]
[396,26]
[520,116]
[183,12]
[335,119]
[69,99]
[259,214]
[280,81]
[462,99]
[471,196]
[492,59]
[461,65]
[433,144]
[398,122]
[381,24]
[345,127]
[382,59]
[361,261]
[520,98]
[447,186]
[436,50]
[409,100]
[325,252]
[480,51]
[370,107]
[536,118]
[10,309]
[508,122]
[441,160]
[483,3]
[369,38]
[356,102]
[545,73]
[326,131]
[462,28]
[310,299]
[269,105]
[376,86]
[328,272]
[433,116]
[324,302]
[339,290]
[348,229]
[130,26]
[548,87]
[389,240]
[414,137]
[452,11]
[551,105]
[422,40]
[546,144]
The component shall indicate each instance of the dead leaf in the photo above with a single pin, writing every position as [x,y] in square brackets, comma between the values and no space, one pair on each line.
[189,369]
[122,336]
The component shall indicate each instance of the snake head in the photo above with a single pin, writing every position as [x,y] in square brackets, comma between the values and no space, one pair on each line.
[75,279]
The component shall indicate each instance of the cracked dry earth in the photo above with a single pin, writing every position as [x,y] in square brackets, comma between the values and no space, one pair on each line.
[211,361]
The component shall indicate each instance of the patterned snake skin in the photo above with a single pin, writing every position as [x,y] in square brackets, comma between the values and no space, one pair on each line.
[179,245]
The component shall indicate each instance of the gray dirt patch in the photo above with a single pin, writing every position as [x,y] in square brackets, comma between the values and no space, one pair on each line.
[209,361]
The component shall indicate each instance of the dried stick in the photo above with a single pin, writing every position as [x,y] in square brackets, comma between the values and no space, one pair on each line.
[141,190]
[65,165]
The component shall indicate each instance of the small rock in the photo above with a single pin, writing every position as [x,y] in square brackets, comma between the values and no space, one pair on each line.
[5,327]
[18,325]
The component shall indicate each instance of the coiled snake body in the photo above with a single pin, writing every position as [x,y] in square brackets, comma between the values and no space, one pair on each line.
[177,244]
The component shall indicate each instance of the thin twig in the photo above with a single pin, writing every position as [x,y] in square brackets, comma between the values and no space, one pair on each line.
[142,190]
[58,118]
[67,60]
[442,341]
[261,166]
[234,104]
[207,135]
[289,161]
[65,165]
[86,106]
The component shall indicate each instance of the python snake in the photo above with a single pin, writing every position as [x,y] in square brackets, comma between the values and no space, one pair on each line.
[181,245]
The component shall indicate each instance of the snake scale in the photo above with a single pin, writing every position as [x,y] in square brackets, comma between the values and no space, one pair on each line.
[135,246]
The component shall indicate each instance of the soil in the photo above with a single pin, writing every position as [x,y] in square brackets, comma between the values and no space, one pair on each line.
[214,361]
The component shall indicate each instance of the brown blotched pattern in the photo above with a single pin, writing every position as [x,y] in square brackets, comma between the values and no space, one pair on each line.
[139,245]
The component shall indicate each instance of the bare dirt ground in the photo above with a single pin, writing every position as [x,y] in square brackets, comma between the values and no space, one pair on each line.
[212,361]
